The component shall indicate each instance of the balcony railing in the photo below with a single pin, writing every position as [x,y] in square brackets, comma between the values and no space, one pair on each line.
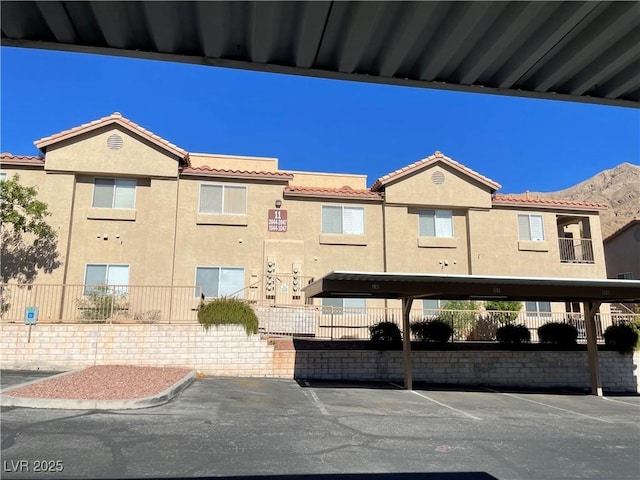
[576,250]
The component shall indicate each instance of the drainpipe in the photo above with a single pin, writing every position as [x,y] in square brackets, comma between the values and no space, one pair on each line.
[68,250]
[384,246]
[175,235]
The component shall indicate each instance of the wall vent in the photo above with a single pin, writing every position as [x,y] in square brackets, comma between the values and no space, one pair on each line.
[114,142]
[437,178]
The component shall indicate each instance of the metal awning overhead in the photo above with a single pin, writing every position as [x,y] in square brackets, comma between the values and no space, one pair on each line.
[410,286]
[579,51]
[478,287]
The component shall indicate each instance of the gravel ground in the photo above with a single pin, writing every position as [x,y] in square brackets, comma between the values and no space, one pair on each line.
[106,382]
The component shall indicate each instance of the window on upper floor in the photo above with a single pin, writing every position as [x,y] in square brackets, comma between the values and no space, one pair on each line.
[530,227]
[435,223]
[114,193]
[625,276]
[343,220]
[114,276]
[219,282]
[223,199]
[344,306]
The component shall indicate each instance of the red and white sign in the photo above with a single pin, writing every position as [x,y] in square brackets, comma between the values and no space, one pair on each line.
[277,221]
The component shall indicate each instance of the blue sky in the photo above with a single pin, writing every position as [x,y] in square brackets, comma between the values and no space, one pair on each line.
[315,124]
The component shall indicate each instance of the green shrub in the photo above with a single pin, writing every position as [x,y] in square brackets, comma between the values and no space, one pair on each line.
[513,335]
[385,334]
[485,329]
[102,303]
[462,318]
[556,333]
[623,337]
[432,331]
[503,311]
[228,311]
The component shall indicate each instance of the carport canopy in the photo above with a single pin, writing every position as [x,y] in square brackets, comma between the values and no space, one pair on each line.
[410,286]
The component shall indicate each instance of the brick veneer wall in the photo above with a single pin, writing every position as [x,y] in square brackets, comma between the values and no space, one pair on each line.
[224,350]
[227,350]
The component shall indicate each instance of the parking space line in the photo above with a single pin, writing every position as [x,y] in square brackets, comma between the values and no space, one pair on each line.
[550,406]
[620,401]
[440,403]
[316,400]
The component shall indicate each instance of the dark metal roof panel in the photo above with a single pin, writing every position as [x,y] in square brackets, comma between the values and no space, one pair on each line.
[481,287]
[579,51]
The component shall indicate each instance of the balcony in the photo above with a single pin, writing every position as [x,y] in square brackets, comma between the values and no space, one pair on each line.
[576,250]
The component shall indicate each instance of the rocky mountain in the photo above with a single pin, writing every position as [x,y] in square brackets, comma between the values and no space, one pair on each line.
[618,187]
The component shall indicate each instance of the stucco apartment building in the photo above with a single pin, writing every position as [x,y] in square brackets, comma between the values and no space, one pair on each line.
[131,208]
[622,251]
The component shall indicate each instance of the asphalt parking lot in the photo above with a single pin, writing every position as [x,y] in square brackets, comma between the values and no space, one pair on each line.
[239,427]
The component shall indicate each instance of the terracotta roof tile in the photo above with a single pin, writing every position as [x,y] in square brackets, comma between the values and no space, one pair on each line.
[11,159]
[527,200]
[343,192]
[115,117]
[207,171]
[425,162]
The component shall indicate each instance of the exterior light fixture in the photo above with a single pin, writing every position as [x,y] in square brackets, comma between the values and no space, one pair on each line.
[278,203]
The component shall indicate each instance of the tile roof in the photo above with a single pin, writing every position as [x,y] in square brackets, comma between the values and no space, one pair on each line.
[345,192]
[11,159]
[527,200]
[116,118]
[207,171]
[627,225]
[430,160]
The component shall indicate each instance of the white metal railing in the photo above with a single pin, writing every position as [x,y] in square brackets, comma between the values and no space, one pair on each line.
[576,250]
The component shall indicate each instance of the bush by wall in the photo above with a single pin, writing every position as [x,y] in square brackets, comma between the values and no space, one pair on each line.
[432,331]
[385,335]
[228,311]
[513,335]
[623,337]
[556,333]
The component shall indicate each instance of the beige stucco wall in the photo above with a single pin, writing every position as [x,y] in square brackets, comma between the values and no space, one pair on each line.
[88,153]
[623,253]
[234,162]
[457,190]
[327,180]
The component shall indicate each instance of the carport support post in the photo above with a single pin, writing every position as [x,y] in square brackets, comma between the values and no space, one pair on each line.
[590,309]
[406,343]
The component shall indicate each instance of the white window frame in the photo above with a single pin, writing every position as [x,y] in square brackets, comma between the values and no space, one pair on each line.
[342,219]
[113,196]
[198,291]
[223,186]
[537,313]
[431,312]
[437,227]
[531,238]
[3,176]
[118,288]
[349,306]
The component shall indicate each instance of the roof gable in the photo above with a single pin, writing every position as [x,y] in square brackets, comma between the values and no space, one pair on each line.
[117,119]
[624,228]
[420,165]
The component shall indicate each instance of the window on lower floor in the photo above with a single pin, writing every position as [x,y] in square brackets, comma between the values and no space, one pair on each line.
[114,277]
[344,306]
[530,227]
[538,309]
[216,282]
[114,193]
[435,223]
[223,199]
[430,307]
[3,176]
[625,276]
[343,220]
